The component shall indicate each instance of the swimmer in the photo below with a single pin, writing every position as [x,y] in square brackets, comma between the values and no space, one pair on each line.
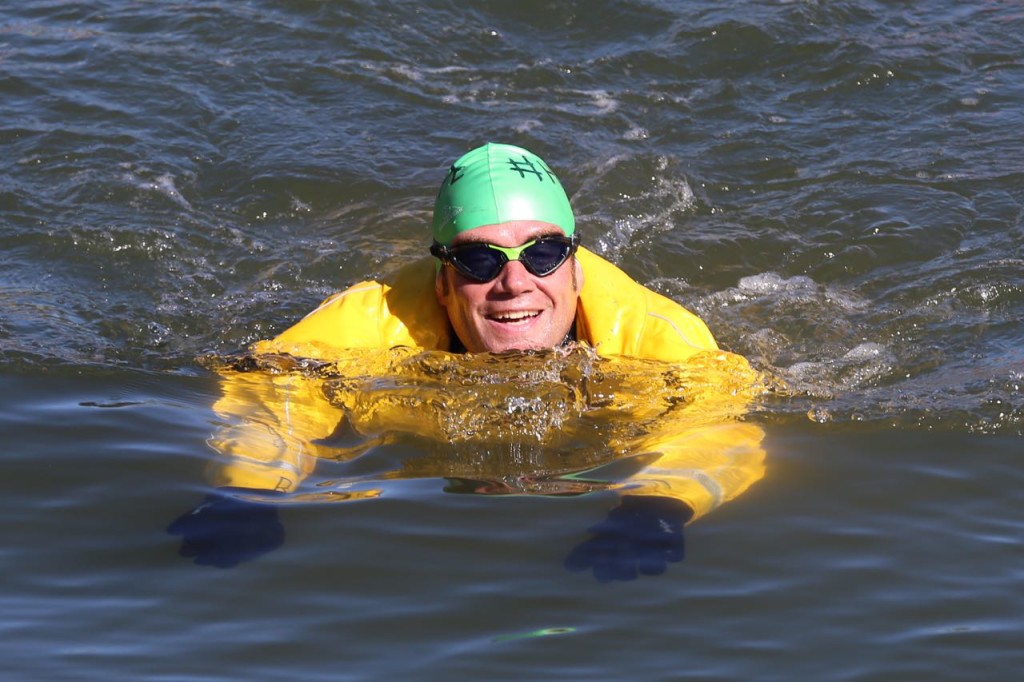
[507,272]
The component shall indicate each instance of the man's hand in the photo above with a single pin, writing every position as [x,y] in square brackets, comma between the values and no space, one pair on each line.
[225,530]
[641,535]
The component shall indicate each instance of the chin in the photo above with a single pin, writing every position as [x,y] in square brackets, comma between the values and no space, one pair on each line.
[520,346]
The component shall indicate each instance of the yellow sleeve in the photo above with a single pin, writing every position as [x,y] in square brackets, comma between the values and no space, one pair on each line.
[702,467]
[271,423]
[708,456]
[268,428]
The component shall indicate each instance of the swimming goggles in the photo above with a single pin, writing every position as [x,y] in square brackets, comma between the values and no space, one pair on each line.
[481,262]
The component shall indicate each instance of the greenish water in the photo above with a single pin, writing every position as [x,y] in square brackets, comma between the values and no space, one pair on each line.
[834,187]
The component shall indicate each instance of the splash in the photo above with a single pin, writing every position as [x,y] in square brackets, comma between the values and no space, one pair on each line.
[540,397]
[835,358]
[516,419]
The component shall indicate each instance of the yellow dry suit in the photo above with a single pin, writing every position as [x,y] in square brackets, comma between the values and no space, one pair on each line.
[277,424]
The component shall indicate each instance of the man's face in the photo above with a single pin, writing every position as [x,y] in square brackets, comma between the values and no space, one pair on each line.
[515,310]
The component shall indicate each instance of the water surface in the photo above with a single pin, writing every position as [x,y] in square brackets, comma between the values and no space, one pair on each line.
[833,186]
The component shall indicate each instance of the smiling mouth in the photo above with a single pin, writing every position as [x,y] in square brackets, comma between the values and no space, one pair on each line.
[517,316]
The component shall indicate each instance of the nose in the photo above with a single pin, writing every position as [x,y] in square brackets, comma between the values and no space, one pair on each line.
[513,279]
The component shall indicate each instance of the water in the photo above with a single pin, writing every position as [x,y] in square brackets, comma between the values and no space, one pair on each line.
[834,187]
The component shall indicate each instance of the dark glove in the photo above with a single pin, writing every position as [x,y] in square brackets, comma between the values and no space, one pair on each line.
[224,530]
[641,535]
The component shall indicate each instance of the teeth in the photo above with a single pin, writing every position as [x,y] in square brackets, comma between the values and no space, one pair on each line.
[514,316]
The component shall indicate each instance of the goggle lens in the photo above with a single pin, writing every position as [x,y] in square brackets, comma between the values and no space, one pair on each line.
[483,262]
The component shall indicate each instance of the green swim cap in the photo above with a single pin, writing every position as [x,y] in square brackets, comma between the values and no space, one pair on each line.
[495,184]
